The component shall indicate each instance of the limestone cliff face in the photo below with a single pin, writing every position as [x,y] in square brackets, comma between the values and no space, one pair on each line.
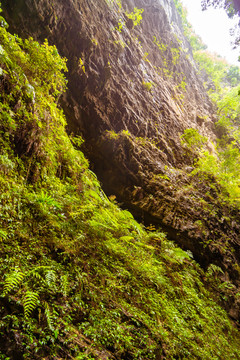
[132,92]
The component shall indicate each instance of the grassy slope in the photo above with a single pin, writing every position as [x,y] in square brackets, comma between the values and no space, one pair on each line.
[80,279]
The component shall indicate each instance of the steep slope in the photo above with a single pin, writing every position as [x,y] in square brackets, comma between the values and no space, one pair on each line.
[132,92]
[80,278]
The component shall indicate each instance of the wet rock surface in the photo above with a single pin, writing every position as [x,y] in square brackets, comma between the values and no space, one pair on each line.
[132,90]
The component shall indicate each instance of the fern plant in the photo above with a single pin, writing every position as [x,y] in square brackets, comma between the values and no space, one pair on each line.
[30,302]
[12,280]
[50,278]
[49,316]
[44,275]
[65,287]
[39,280]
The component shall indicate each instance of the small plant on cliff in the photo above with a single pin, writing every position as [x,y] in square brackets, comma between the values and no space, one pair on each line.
[193,139]
[117,2]
[175,55]
[135,16]
[94,41]
[81,65]
[121,23]
[148,85]
[160,45]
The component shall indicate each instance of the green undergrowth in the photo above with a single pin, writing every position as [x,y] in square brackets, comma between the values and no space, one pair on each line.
[79,277]
[221,81]
[222,163]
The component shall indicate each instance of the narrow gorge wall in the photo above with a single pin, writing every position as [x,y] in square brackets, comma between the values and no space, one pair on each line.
[132,90]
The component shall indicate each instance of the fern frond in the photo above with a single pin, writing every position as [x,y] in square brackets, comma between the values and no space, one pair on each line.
[39,270]
[30,302]
[49,316]
[65,285]
[43,274]
[37,276]
[51,278]
[12,280]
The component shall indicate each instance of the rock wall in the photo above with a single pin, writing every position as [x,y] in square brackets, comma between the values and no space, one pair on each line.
[132,90]
[116,64]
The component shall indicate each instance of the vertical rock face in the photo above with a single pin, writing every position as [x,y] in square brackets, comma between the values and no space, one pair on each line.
[132,90]
[116,63]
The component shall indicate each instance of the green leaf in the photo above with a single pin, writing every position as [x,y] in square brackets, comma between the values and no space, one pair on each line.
[30,302]
[12,280]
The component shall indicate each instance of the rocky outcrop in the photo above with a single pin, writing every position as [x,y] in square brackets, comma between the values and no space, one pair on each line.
[132,90]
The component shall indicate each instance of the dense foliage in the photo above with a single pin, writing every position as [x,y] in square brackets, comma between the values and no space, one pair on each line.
[80,278]
[222,82]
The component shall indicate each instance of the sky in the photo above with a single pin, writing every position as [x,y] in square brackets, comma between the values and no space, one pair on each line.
[213,26]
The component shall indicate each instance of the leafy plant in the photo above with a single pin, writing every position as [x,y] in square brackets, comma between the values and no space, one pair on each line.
[148,85]
[30,302]
[135,16]
[12,281]
[193,139]
[81,64]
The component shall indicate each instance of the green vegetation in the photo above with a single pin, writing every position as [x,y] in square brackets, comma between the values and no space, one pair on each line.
[220,76]
[81,64]
[171,57]
[193,139]
[148,85]
[80,278]
[223,164]
[222,83]
[219,72]
[135,15]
